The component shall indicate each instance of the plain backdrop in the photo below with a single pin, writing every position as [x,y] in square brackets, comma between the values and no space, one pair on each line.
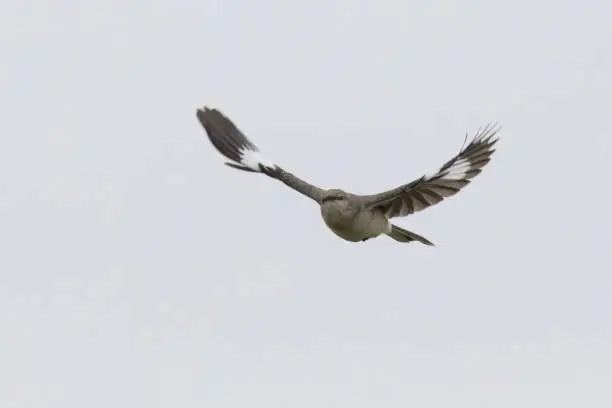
[136,270]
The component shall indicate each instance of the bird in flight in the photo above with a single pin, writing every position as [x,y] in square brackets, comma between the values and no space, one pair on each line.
[350,216]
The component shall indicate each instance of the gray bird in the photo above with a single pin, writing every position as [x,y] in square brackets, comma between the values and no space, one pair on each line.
[359,217]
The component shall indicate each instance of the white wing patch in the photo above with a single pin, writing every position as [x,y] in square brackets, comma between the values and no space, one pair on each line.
[252,159]
[458,170]
[462,166]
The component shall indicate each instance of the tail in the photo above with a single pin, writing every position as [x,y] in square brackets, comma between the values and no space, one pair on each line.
[401,235]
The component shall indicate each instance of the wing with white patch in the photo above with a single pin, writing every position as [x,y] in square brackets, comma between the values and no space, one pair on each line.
[447,181]
[244,155]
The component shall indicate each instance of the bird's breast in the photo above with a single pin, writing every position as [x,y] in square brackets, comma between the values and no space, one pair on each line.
[336,216]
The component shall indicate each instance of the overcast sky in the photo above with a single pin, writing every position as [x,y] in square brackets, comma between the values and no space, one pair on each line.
[139,271]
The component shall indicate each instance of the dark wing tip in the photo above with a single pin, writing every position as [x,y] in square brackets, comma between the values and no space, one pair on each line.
[210,117]
[479,149]
[223,133]
[488,134]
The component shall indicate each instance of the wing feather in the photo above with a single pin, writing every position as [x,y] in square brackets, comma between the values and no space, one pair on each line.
[447,181]
[245,155]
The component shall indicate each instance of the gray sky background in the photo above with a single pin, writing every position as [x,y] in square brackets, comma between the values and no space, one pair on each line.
[137,270]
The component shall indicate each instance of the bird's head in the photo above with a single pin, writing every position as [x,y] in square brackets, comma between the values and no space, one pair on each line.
[334,195]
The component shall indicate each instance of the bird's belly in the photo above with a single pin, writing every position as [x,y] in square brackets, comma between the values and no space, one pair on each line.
[355,228]
[349,234]
[342,226]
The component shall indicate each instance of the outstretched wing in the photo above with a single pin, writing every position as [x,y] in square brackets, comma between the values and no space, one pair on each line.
[244,155]
[447,181]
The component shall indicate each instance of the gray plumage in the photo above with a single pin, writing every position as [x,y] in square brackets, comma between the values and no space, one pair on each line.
[359,217]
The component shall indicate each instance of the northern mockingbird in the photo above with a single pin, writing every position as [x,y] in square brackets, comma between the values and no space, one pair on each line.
[358,217]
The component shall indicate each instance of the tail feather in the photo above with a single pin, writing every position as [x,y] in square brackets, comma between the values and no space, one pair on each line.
[402,235]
